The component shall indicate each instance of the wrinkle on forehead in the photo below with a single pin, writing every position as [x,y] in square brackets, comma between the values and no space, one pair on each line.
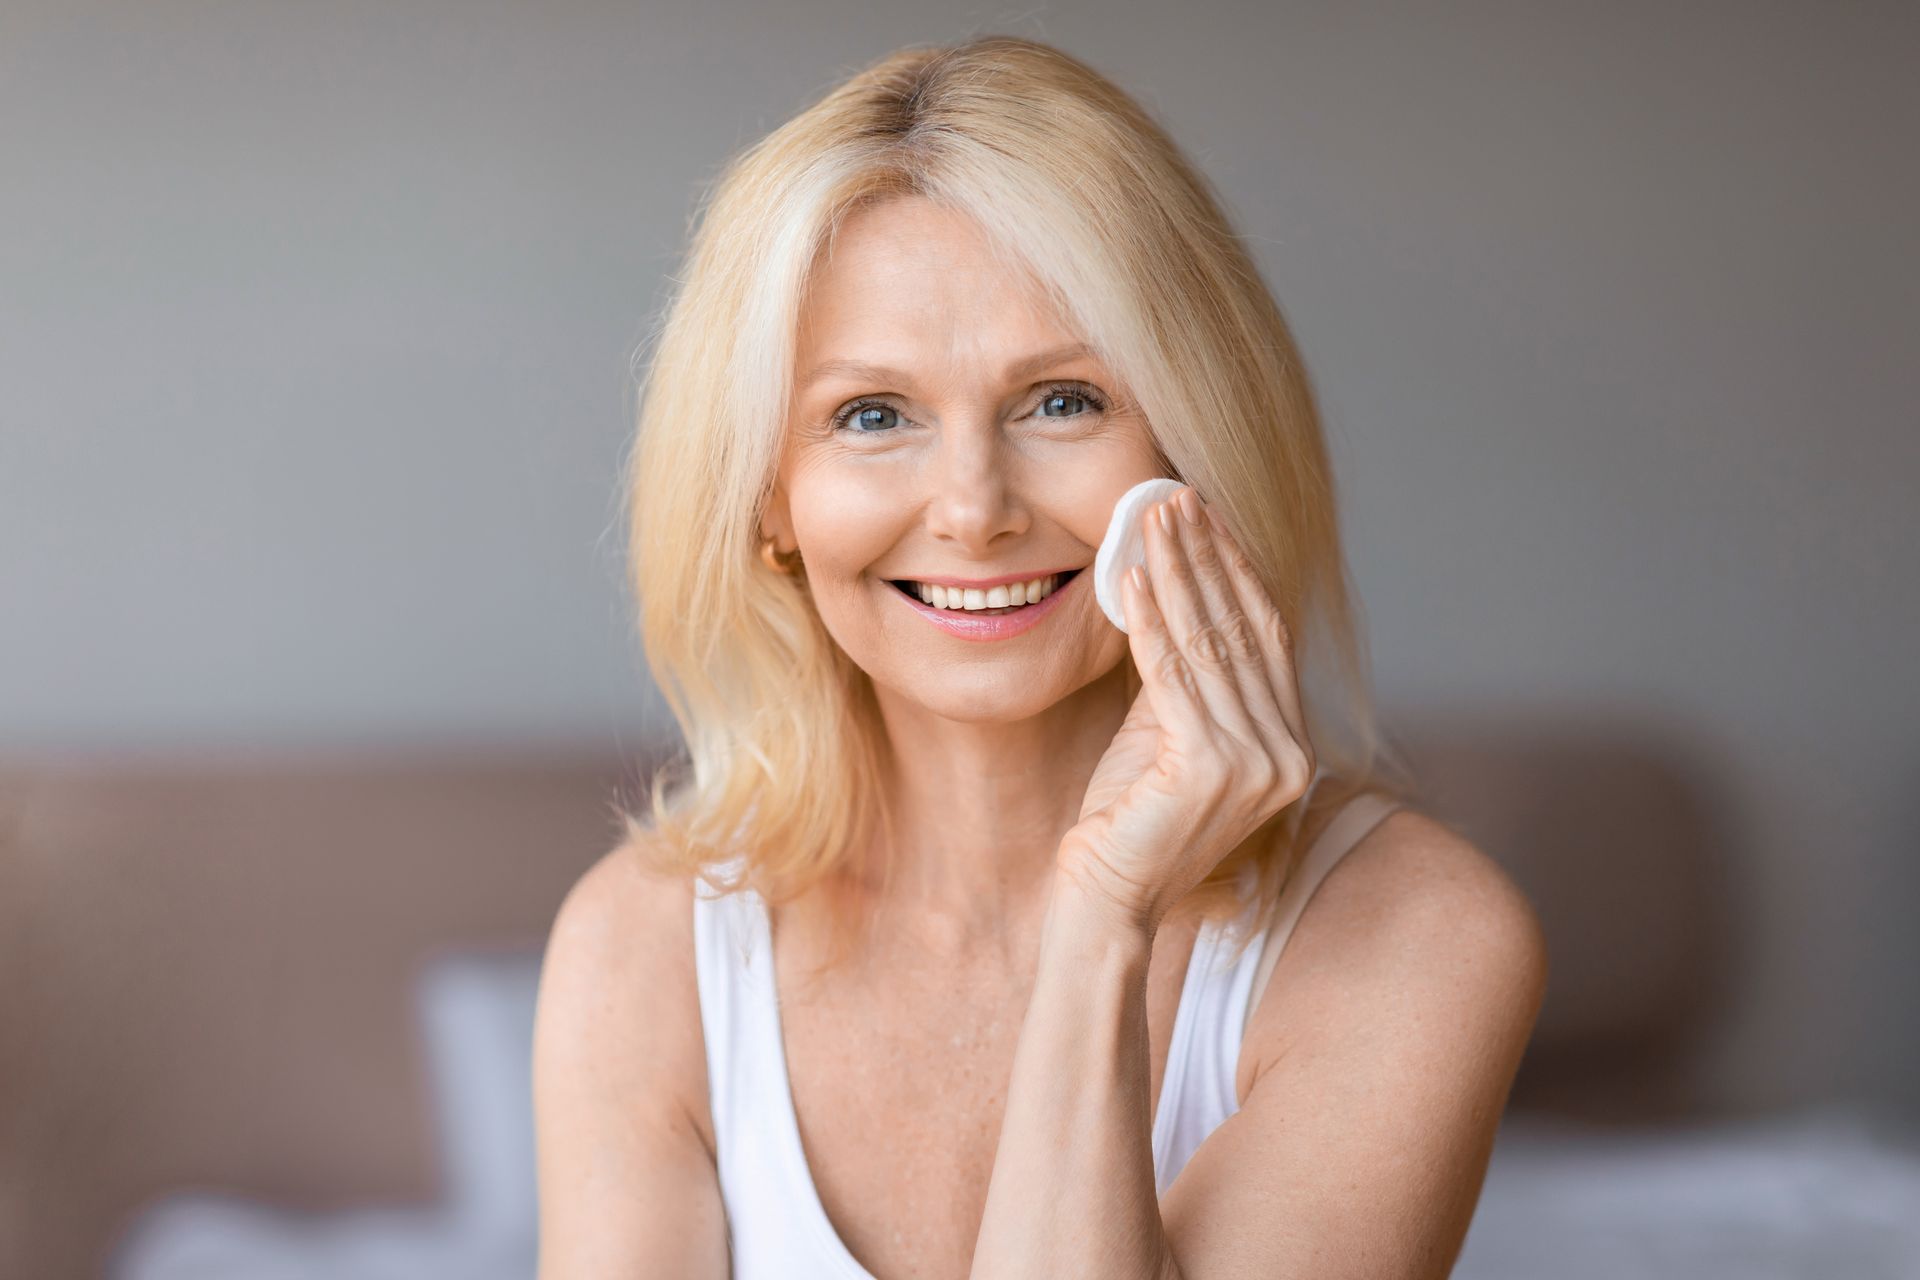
[979,309]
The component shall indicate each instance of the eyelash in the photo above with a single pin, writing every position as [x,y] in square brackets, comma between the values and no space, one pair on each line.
[1078,390]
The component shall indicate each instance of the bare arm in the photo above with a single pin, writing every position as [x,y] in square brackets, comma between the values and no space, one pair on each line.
[627,1185]
[1072,1187]
[1364,1138]
[1406,999]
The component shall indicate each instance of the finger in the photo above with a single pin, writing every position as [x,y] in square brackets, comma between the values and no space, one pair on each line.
[1277,704]
[1246,648]
[1164,673]
[1192,627]
[1277,650]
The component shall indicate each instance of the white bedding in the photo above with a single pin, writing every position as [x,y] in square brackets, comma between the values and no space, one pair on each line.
[1811,1195]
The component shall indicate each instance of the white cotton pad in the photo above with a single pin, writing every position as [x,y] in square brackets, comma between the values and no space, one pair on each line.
[1125,544]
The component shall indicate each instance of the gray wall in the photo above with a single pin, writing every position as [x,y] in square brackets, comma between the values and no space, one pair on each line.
[315,322]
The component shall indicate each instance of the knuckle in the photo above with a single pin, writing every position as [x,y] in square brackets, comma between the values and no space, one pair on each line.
[1276,627]
[1205,558]
[1209,646]
[1243,638]
[1298,771]
[1175,673]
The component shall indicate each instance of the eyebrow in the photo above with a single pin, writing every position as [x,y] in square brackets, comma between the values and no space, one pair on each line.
[880,373]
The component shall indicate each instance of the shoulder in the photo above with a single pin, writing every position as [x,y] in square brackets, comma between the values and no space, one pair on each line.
[621,904]
[618,996]
[1414,923]
[1414,877]
[624,1159]
[1393,1029]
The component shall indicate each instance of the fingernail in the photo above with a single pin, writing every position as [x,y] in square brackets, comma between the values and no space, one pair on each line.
[1139,577]
[1190,506]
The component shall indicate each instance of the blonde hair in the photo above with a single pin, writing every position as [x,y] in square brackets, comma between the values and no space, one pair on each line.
[1074,182]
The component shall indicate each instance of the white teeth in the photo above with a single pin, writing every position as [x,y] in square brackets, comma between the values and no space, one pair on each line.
[1000,597]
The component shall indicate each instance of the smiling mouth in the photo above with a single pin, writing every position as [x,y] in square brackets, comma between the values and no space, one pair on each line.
[906,588]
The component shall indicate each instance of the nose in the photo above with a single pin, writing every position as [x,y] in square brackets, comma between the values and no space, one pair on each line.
[975,499]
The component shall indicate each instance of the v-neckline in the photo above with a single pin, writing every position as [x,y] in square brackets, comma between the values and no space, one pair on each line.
[793,1152]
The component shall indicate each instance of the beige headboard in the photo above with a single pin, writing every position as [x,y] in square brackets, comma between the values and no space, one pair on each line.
[208,969]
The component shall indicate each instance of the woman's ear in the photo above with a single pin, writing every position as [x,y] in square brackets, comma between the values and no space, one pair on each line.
[775,523]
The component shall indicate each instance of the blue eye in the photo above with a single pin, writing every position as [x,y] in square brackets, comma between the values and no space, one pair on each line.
[859,409]
[1054,396]
[854,416]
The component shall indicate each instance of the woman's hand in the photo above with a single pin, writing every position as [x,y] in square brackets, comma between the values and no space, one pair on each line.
[1215,743]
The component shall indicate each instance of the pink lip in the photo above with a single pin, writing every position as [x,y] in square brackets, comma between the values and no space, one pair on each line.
[970,626]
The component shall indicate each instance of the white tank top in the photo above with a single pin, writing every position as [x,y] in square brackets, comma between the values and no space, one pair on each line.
[777,1228]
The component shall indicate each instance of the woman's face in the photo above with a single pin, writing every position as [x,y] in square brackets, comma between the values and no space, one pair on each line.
[974,447]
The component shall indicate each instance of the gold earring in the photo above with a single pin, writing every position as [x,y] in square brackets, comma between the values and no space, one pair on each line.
[775,560]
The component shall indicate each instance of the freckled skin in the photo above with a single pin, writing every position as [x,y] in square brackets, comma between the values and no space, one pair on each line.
[899,1064]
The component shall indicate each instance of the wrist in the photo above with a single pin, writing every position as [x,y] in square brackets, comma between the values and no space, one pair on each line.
[1087,904]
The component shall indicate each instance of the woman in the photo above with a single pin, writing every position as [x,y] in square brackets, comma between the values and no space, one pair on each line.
[1021,881]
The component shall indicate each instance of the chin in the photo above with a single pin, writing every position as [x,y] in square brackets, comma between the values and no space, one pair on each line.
[956,699]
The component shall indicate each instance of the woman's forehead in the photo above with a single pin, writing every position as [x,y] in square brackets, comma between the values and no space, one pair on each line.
[901,326]
[909,292]
[915,254]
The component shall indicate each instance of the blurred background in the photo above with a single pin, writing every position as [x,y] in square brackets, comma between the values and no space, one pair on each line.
[318,686]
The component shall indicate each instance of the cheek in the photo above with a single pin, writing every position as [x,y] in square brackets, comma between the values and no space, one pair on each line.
[844,521]
[1082,497]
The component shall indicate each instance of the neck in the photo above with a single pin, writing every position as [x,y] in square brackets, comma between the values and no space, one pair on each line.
[980,809]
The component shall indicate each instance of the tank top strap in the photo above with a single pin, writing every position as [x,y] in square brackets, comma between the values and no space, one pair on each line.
[777,1227]
[1195,1094]
[724,946]
[1197,1088]
[1356,818]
